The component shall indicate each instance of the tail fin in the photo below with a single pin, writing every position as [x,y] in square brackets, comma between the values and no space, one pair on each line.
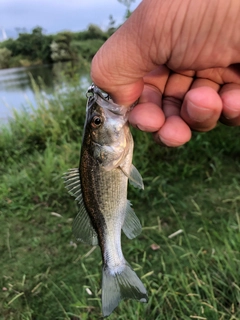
[120,285]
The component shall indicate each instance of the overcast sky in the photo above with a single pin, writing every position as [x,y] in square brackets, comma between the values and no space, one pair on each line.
[58,15]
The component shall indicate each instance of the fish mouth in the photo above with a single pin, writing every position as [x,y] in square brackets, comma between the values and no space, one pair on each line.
[93,89]
[95,95]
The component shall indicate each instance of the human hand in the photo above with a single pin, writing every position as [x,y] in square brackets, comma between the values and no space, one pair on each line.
[182,58]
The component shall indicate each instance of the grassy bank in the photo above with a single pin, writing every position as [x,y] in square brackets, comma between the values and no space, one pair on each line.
[44,274]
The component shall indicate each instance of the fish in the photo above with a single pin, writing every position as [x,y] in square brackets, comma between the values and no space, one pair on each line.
[99,186]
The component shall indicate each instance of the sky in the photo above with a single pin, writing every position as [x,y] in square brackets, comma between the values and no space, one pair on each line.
[58,15]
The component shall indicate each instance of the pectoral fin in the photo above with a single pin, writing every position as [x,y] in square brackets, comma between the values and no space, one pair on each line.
[82,226]
[134,177]
[131,226]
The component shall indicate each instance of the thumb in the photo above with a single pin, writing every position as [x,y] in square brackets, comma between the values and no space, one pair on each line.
[120,64]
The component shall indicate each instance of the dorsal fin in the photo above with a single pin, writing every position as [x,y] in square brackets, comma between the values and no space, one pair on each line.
[82,226]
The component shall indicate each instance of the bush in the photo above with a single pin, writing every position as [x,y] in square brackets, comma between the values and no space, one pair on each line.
[93,32]
[5,56]
[88,48]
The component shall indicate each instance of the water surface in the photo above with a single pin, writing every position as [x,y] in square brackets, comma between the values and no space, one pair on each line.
[16,89]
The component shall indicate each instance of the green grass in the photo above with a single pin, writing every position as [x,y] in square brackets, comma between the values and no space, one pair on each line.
[45,274]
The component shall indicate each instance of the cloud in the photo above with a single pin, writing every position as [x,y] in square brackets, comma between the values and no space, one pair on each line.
[57,15]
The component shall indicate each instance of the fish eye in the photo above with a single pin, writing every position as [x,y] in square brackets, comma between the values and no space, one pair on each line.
[96,121]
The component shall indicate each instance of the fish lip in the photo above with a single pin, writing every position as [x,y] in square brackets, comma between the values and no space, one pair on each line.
[111,106]
[94,94]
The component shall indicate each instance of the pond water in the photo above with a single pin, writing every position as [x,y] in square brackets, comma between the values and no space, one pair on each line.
[16,89]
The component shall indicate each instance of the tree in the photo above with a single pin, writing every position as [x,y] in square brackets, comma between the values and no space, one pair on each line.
[93,32]
[111,25]
[61,49]
[87,48]
[33,46]
[127,4]
[5,56]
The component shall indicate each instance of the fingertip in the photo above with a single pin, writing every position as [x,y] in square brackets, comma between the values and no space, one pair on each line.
[201,108]
[174,133]
[231,106]
[204,95]
[147,117]
[123,91]
[126,94]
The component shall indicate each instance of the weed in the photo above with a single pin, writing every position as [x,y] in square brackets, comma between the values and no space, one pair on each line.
[187,255]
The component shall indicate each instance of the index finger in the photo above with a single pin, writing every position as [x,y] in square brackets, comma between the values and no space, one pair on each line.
[120,64]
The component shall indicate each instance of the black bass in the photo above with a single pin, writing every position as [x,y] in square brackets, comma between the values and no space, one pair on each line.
[100,187]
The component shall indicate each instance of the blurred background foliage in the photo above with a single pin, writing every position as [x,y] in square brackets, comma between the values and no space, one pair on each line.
[38,48]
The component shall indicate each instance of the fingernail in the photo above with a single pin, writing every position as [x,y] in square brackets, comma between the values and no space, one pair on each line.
[230,114]
[146,128]
[139,127]
[159,140]
[197,113]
